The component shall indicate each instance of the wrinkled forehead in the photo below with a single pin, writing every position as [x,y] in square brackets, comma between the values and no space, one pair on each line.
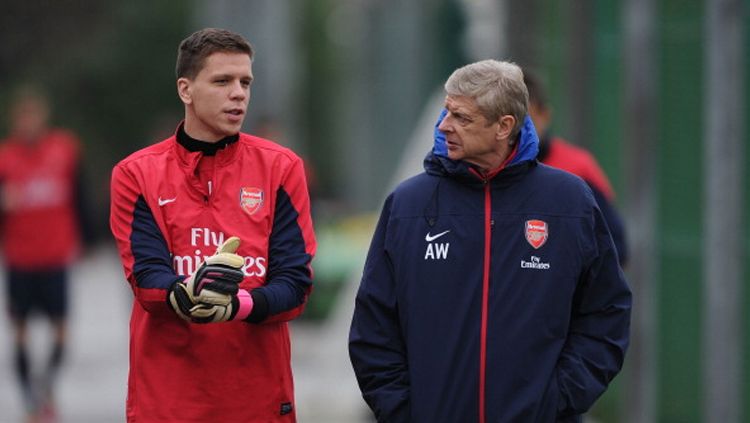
[463,104]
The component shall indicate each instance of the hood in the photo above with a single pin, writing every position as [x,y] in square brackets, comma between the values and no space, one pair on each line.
[437,161]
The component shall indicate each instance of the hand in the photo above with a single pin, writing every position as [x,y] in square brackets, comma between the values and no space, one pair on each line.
[212,293]
[238,309]
[214,283]
[206,313]
[180,300]
[216,280]
[183,303]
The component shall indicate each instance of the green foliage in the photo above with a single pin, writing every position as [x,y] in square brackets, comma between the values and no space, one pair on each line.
[342,247]
[321,84]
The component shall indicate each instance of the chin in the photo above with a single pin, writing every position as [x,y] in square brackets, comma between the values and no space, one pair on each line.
[231,130]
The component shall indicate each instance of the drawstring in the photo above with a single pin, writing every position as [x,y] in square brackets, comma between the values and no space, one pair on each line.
[432,209]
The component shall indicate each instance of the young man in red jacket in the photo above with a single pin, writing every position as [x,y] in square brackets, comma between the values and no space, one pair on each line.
[216,240]
[41,232]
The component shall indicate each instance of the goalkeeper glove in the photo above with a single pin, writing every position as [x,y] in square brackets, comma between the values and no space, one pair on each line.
[211,294]
[238,309]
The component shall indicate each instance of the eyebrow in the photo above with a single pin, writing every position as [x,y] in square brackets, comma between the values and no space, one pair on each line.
[457,109]
[458,112]
[230,76]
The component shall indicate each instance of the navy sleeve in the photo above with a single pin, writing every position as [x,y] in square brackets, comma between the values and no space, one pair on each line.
[376,347]
[289,275]
[152,263]
[615,224]
[599,330]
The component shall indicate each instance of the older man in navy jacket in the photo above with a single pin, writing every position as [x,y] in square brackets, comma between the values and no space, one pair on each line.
[492,290]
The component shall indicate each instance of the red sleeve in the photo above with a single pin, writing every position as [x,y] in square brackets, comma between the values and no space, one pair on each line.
[579,161]
[142,247]
[596,176]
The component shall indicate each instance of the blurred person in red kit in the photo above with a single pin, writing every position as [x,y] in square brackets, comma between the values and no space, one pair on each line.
[216,240]
[558,152]
[42,227]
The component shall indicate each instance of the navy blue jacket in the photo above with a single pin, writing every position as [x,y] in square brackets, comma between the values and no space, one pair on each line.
[495,300]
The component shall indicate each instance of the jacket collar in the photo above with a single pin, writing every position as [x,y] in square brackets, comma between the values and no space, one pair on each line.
[190,150]
[207,148]
[437,162]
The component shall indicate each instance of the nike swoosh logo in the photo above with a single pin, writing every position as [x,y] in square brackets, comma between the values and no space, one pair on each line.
[430,238]
[165,201]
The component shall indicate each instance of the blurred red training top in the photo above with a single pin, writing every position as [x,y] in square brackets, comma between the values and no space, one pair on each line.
[578,161]
[39,221]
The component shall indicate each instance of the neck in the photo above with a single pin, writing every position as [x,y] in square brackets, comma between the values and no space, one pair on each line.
[497,163]
[497,160]
[191,130]
[207,148]
[29,136]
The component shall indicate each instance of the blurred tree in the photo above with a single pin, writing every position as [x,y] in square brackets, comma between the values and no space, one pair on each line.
[370,68]
[324,64]
[109,69]
[35,33]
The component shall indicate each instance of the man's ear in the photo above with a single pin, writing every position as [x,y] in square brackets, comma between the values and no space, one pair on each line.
[184,90]
[505,127]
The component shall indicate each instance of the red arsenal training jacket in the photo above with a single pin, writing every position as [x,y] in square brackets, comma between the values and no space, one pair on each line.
[171,207]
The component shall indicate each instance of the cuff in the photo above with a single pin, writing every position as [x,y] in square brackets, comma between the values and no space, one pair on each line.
[260,307]
[245,305]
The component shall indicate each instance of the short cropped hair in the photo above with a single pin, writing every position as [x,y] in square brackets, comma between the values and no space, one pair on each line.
[496,86]
[193,50]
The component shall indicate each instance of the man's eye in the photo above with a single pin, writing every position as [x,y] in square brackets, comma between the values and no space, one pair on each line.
[221,81]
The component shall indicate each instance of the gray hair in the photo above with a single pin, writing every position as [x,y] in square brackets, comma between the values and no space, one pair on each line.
[496,86]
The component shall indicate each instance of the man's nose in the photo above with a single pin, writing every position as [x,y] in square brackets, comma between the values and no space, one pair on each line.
[444,125]
[238,91]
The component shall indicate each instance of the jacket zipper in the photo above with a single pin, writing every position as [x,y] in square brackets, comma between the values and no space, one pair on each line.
[485,300]
[212,181]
